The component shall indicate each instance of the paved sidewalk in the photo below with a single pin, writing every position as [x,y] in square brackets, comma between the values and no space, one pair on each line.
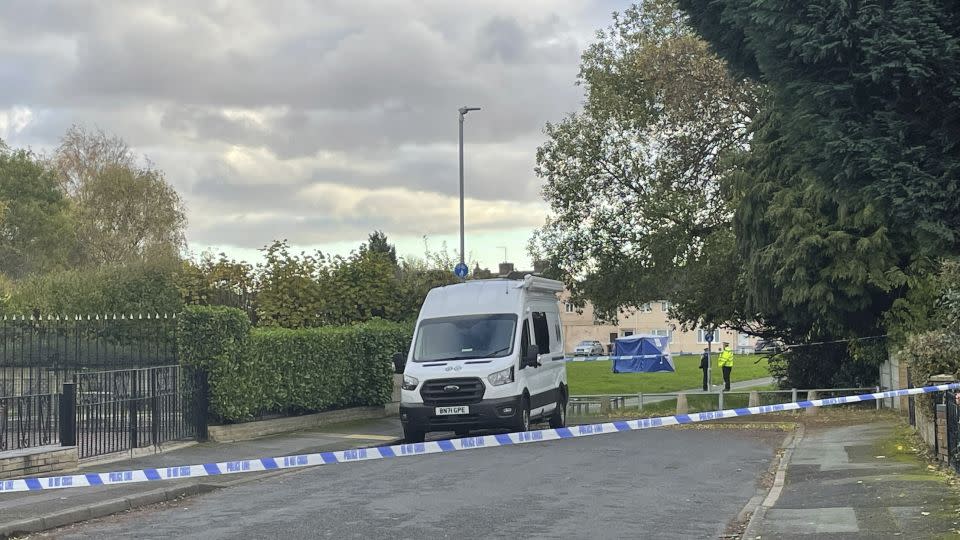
[41,510]
[854,482]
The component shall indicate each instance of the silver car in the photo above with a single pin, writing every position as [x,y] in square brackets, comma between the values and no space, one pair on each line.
[588,348]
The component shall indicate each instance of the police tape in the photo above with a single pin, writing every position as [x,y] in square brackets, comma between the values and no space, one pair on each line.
[609,358]
[430,447]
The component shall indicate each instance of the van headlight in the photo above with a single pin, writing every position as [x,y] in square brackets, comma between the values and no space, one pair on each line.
[409,383]
[501,377]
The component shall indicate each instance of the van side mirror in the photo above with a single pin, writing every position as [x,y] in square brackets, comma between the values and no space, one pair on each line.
[531,358]
[399,362]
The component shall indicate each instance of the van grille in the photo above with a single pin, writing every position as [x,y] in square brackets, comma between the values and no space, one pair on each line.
[468,391]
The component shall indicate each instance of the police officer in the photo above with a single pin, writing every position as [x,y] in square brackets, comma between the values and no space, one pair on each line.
[725,361]
[705,365]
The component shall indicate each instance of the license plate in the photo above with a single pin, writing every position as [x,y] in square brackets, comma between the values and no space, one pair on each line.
[460,409]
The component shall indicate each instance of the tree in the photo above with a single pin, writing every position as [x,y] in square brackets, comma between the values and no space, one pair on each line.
[129,214]
[378,244]
[124,211]
[218,281]
[35,230]
[291,294]
[84,155]
[415,279]
[635,180]
[849,193]
[936,349]
[361,287]
[135,288]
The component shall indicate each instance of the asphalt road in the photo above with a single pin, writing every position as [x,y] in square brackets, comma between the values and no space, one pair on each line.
[654,483]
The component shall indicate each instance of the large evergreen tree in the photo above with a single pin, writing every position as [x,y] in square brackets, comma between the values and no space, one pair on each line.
[852,186]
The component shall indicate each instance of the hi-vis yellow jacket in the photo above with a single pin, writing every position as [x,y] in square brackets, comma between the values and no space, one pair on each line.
[726,358]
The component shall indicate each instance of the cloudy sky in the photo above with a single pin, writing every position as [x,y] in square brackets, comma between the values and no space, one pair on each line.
[314,121]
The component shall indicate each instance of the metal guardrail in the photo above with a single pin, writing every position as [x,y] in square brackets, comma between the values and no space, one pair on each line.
[589,403]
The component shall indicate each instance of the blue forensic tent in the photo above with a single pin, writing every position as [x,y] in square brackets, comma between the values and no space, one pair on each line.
[642,354]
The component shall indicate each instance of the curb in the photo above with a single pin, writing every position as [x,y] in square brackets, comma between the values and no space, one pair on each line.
[766,499]
[100,509]
[122,504]
[136,453]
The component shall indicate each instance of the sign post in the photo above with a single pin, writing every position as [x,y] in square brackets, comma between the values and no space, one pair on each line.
[709,339]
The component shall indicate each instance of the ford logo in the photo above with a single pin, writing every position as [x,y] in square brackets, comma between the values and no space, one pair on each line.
[451,388]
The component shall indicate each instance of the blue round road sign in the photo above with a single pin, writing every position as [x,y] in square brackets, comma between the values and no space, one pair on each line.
[461,270]
[709,337]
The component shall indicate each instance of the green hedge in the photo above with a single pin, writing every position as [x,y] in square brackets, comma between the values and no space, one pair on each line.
[289,371]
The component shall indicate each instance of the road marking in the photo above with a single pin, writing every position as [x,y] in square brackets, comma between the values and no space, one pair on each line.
[360,436]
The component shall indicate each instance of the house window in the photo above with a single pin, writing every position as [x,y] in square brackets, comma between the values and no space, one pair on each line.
[702,336]
[662,333]
[569,307]
[664,306]
[646,308]
[627,333]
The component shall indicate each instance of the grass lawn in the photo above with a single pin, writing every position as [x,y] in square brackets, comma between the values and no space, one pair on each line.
[597,378]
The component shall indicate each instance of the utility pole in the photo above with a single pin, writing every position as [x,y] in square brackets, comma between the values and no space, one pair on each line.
[462,267]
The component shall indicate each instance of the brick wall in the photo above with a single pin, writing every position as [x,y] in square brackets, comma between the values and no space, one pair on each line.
[904,400]
[942,447]
[40,460]
[926,427]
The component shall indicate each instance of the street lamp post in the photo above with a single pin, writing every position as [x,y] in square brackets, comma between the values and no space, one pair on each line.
[463,112]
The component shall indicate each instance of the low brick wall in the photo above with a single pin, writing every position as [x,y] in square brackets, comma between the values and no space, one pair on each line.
[39,460]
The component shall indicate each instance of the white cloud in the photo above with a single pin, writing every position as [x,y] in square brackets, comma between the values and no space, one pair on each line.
[14,120]
[316,121]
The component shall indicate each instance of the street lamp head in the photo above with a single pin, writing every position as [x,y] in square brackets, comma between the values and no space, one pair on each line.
[465,110]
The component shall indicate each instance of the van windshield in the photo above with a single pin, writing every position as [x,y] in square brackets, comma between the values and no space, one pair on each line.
[465,337]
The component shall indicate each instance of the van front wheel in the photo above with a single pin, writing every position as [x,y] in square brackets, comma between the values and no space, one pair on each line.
[523,419]
[411,435]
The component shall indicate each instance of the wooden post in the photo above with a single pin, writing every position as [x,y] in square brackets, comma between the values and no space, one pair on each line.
[682,407]
[811,395]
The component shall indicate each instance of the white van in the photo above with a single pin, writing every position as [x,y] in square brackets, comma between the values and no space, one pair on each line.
[486,354]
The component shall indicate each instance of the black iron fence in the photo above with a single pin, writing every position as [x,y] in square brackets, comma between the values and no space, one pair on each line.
[29,421]
[39,354]
[953,429]
[120,410]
